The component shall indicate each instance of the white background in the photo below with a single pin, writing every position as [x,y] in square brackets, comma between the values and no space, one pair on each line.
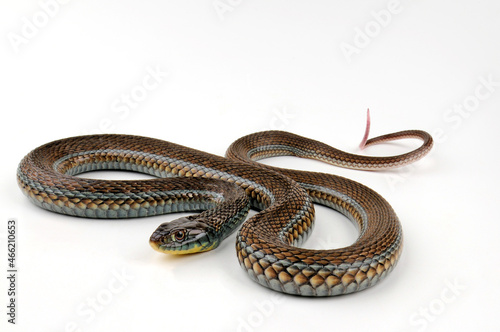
[236,67]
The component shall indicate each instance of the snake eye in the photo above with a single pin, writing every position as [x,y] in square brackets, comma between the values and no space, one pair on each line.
[179,235]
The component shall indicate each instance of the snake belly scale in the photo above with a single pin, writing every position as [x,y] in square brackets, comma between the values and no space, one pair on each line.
[267,244]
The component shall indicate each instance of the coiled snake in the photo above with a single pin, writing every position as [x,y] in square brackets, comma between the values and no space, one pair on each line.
[267,243]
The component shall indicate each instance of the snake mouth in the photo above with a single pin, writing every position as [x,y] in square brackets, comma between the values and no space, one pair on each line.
[155,245]
[184,249]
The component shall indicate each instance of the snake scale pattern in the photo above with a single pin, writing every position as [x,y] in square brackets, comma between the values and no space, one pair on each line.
[267,244]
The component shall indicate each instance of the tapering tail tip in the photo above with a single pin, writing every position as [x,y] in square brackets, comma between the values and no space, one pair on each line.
[367,130]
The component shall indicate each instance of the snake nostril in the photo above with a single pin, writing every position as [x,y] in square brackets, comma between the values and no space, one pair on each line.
[155,238]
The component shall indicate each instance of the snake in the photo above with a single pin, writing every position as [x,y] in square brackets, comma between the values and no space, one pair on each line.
[222,190]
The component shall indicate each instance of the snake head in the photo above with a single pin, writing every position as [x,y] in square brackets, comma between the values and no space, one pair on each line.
[185,235]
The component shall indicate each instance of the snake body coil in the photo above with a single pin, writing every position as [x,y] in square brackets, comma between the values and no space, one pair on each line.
[267,243]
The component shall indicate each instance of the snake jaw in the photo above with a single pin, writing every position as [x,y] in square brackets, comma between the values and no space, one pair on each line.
[185,235]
